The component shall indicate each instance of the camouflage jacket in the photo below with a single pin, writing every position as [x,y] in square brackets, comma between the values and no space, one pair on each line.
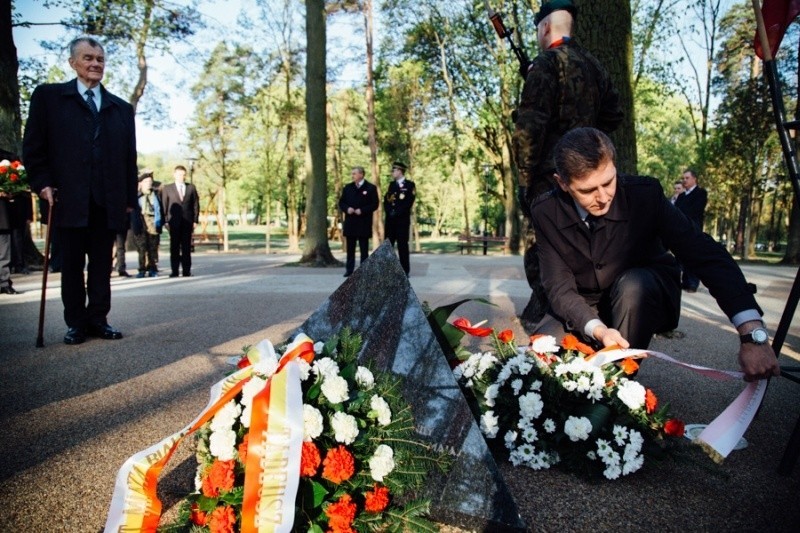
[566,88]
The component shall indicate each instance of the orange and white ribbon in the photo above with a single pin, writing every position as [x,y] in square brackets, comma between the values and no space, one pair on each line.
[721,435]
[135,506]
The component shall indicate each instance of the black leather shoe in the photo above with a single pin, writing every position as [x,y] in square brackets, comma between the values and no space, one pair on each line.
[347,274]
[74,336]
[174,275]
[8,289]
[103,331]
[124,274]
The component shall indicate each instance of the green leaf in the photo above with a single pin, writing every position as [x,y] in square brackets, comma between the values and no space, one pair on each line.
[440,315]
[318,492]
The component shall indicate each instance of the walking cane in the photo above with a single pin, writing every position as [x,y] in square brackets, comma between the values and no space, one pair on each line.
[40,334]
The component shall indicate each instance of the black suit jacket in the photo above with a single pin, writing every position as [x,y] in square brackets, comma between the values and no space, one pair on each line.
[178,212]
[398,200]
[365,199]
[693,205]
[57,152]
[641,224]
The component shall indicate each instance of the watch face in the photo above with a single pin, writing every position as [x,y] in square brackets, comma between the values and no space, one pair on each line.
[759,336]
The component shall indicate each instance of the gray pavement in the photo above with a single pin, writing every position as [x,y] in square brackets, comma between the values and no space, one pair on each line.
[71,415]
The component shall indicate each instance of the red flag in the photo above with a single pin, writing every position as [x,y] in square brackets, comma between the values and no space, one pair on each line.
[778,14]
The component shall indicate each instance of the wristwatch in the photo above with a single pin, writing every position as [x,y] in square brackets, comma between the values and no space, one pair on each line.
[757,336]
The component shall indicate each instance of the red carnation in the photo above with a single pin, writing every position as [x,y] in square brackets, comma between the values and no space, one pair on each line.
[674,427]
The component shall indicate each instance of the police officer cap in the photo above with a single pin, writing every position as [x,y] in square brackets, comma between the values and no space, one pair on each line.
[398,164]
[555,5]
[146,173]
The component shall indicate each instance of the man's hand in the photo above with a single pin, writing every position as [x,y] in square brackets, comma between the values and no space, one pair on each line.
[610,337]
[758,361]
[47,195]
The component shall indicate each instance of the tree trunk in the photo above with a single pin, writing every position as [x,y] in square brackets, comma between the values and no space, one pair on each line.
[792,256]
[10,118]
[316,250]
[141,58]
[372,136]
[605,29]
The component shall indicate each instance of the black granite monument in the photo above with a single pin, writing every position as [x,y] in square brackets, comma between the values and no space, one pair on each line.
[378,302]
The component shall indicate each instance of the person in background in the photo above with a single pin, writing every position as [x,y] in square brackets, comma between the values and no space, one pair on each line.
[677,190]
[80,140]
[180,206]
[397,203]
[147,223]
[358,202]
[692,203]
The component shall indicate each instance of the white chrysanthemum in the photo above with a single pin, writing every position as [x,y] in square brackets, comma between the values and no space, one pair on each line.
[570,385]
[222,444]
[591,455]
[381,409]
[577,428]
[489,425]
[620,434]
[491,394]
[524,367]
[604,448]
[524,423]
[545,344]
[250,389]
[531,405]
[345,427]
[536,385]
[504,374]
[629,467]
[510,438]
[226,416]
[312,422]
[487,361]
[325,367]
[526,451]
[631,394]
[304,368]
[530,434]
[381,463]
[318,347]
[631,452]
[516,457]
[549,425]
[267,365]
[364,378]
[584,383]
[636,439]
[335,389]
[516,386]
[612,472]
[468,368]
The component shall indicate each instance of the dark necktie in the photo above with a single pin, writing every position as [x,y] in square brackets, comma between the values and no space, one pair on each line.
[95,113]
[591,222]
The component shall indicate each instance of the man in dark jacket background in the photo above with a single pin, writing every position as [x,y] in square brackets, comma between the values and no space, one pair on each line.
[181,212]
[79,149]
[692,203]
[358,202]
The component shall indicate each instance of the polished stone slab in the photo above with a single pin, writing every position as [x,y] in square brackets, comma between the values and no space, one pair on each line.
[378,302]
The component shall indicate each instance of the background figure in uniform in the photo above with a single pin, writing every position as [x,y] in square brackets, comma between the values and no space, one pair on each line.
[147,223]
[180,206]
[81,141]
[5,244]
[677,190]
[692,203]
[397,203]
[120,247]
[565,87]
[359,200]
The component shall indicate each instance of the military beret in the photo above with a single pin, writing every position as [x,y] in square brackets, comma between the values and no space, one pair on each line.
[402,166]
[146,173]
[555,5]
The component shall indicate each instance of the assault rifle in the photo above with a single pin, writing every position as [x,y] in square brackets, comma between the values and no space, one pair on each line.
[505,33]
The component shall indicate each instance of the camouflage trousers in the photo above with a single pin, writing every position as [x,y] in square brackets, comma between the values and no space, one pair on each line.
[537,305]
[147,245]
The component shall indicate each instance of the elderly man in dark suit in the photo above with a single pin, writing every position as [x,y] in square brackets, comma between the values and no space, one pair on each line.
[605,262]
[80,141]
[358,201]
[692,203]
[181,206]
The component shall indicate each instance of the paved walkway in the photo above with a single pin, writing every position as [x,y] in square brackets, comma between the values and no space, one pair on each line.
[71,415]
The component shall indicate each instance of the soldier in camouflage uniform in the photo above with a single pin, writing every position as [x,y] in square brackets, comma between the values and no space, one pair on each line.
[147,229]
[565,88]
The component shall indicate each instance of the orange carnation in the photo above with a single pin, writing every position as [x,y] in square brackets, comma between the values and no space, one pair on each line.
[674,427]
[197,516]
[243,448]
[338,465]
[570,342]
[309,459]
[376,499]
[650,400]
[629,366]
[341,515]
[506,335]
[222,520]
[219,477]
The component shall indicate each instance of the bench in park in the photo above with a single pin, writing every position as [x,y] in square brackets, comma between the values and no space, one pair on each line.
[480,241]
[207,240]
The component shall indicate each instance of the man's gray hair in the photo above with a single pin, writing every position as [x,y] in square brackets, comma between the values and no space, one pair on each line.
[359,169]
[91,41]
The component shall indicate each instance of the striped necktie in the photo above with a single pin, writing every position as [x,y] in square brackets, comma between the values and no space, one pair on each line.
[95,113]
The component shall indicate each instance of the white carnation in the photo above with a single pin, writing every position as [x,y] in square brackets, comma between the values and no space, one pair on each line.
[364,378]
[612,472]
[516,386]
[510,438]
[381,408]
[530,405]
[335,389]
[312,422]
[250,389]
[545,344]
[491,394]
[536,385]
[381,463]
[345,428]
[577,428]
[486,362]
[226,416]
[325,367]
[489,424]
[304,368]
[318,346]
[222,444]
[631,394]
